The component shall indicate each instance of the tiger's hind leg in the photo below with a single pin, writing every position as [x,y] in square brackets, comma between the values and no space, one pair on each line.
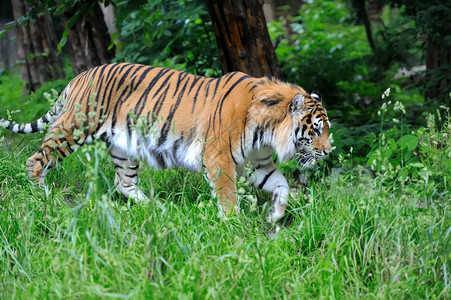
[56,147]
[126,179]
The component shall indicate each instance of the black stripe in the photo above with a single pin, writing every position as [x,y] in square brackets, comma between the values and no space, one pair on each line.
[266,158]
[143,76]
[230,148]
[275,196]
[60,153]
[159,158]
[197,93]
[243,135]
[132,89]
[207,87]
[159,103]
[304,128]
[218,81]
[196,79]
[98,88]
[125,75]
[271,102]
[117,157]
[182,76]
[144,96]
[128,124]
[296,132]
[75,92]
[230,77]
[242,150]
[34,126]
[262,184]
[192,131]
[107,88]
[164,83]
[118,102]
[208,129]
[221,102]
[258,133]
[107,107]
[167,125]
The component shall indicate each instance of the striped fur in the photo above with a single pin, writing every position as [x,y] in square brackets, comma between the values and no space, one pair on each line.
[167,118]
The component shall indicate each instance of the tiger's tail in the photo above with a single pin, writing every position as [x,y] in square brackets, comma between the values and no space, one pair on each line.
[39,124]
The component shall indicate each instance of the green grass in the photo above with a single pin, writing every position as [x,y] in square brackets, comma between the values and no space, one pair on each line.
[348,237]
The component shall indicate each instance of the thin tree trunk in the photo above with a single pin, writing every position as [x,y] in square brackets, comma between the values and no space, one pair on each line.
[37,44]
[438,60]
[88,38]
[362,14]
[243,38]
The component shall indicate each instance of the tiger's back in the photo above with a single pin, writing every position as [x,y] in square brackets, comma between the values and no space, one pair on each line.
[180,110]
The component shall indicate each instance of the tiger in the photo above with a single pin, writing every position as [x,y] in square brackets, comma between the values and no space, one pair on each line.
[172,119]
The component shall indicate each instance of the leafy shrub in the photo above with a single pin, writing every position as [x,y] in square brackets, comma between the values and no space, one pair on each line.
[25,108]
[326,52]
[418,159]
[175,34]
[322,48]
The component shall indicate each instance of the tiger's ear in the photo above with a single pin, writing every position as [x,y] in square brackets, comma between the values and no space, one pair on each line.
[297,103]
[316,95]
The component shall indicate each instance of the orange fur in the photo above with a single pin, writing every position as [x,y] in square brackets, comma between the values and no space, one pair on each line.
[170,118]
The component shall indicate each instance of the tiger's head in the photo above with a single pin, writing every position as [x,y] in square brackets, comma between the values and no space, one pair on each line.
[310,128]
[300,127]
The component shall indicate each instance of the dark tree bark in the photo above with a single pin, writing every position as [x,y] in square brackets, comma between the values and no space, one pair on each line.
[37,44]
[243,38]
[362,15]
[88,38]
[438,60]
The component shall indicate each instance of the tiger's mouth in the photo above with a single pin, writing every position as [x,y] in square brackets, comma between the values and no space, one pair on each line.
[308,157]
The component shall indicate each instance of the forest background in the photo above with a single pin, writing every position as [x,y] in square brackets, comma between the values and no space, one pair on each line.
[372,220]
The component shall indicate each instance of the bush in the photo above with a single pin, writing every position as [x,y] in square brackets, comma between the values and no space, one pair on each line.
[176,34]
[418,159]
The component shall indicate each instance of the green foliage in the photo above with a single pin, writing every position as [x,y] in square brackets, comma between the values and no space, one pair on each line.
[26,108]
[326,52]
[167,33]
[420,159]
[432,17]
[397,42]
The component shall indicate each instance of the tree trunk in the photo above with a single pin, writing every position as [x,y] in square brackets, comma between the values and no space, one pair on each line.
[88,39]
[438,60]
[243,38]
[37,44]
[8,48]
[362,15]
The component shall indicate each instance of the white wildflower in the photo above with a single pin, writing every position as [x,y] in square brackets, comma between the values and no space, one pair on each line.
[399,107]
[387,92]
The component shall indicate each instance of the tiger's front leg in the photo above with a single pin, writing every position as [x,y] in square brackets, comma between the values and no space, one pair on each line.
[221,174]
[268,178]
